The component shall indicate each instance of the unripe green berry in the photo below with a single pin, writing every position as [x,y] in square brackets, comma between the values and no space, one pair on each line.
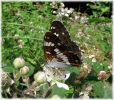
[18,62]
[24,70]
[40,77]
[16,36]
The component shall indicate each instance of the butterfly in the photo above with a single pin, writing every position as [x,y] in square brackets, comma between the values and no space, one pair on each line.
[59,50]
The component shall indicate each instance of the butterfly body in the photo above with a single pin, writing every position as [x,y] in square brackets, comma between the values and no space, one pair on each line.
[59,50]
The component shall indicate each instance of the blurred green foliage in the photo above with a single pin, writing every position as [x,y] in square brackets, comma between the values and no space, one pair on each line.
[99,10]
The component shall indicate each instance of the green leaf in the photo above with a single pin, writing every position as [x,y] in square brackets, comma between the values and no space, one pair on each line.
[97,67]
[102,89]
[31,70]
[9,69]
[104,10]
[58,91]
[73,69]
[98,88]
[108,90]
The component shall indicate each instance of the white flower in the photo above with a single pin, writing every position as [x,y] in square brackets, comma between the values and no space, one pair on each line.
[66,15]
[87,67]
[93,60]
[59,15]
[71,18]
[62,4]
[20,41]
[70,10]
[79,33]
[54,12]
[20,46]
[101,64]
[62,9]
[91,56]
[56,76]
[53,4]
[62,13]
[62,85]
[83,19]
[110,68]
[79,13]
[66,9]
[77,17]
[84,95]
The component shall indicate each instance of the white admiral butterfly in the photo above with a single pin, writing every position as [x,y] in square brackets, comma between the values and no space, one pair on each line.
[59,50]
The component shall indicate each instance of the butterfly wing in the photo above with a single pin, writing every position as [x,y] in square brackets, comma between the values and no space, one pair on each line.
[57,44]
[63,35]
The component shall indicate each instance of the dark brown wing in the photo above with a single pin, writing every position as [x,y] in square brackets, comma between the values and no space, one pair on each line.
[57,44]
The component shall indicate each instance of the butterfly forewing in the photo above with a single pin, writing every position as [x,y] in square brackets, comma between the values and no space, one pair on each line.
[58,28]
[57,45]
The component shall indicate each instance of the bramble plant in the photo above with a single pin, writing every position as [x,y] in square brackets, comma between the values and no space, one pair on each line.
[99,10]
[24,25]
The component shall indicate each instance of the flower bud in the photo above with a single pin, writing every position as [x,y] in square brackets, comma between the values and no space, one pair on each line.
[84,95]
[110,68]
[62,4]
[6,80]
[66,15]
[102,75]
[70,11]
[20,46]
[54,12]
[40,77]
[21,42]
[16,36]
[18,62]
[93,60]
[24,70]
[91,56]
[84,71]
